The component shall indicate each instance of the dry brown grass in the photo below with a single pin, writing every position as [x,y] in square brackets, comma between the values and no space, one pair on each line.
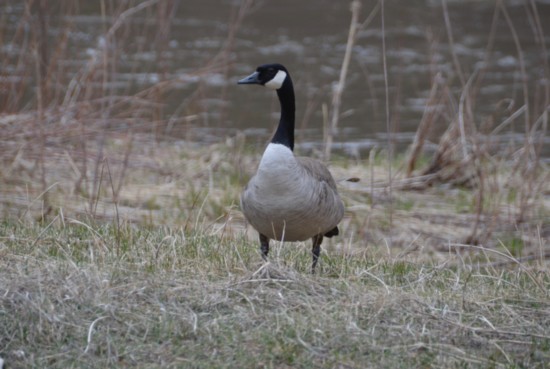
[96,296]
[121,242]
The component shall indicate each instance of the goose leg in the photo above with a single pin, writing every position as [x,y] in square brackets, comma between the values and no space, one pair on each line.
[264,246]
[316,250]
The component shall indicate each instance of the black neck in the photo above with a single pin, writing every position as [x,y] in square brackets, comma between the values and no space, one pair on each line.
[285,131]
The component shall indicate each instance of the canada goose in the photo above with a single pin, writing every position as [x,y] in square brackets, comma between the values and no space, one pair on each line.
[289,198]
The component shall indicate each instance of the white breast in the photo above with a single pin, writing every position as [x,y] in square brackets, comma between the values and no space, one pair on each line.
[277,157]
[277,172]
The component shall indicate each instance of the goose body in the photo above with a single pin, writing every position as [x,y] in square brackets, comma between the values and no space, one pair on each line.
[289,198]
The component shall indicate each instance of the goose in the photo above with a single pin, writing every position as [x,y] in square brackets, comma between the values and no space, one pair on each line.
[289,198]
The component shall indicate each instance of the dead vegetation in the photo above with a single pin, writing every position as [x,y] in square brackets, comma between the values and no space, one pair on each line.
[98,296]
[122,244]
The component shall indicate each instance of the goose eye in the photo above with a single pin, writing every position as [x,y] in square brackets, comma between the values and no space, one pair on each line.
[267,74]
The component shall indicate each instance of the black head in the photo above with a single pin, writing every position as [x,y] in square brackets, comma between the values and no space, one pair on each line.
[269,75]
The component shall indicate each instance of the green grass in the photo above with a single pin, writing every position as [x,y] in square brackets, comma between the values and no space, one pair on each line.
[96,296]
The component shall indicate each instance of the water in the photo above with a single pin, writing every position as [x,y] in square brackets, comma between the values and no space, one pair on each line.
[309,38]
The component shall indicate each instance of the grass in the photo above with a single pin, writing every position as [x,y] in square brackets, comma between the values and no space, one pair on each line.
[92,295]
[122,245]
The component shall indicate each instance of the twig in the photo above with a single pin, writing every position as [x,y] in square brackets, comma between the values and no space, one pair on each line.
[388,121]
[451,42]
[508,120]
[90,331]
[431,111]
[461,107]
[339,87]
[115,202]
[126,14]
[521,60]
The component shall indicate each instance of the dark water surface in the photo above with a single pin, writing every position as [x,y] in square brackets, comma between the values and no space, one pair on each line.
[309,37]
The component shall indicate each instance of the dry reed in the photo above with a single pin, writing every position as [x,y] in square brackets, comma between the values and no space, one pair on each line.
[122,245]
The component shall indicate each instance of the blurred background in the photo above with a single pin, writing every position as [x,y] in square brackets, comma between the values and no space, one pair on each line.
[190,54]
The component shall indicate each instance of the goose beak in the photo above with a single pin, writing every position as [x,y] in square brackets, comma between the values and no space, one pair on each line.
[250,80]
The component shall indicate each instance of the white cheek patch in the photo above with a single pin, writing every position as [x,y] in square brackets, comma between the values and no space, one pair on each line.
[276,82]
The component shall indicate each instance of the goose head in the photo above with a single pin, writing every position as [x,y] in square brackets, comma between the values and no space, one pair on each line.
[272,76]
[276,77]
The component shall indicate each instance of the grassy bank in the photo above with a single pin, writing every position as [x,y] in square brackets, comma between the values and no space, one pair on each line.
[132,252]
[150,264]
[122,243]
[78,294]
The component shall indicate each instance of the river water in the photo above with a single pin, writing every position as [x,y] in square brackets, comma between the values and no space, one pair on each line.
[309,37]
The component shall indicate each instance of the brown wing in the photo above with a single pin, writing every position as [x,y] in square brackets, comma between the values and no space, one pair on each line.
[317,170]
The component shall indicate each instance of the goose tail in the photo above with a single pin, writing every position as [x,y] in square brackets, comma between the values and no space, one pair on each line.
[333,232]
